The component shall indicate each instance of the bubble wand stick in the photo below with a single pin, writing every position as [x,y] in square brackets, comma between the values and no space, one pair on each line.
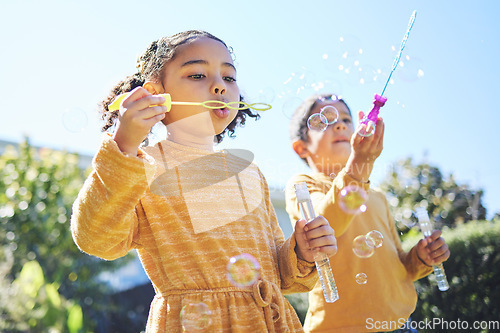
[371,119]
[426,227]
[321,260]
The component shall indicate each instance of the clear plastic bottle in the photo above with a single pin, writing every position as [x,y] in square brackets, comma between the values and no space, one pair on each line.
[322,262]
[426,227]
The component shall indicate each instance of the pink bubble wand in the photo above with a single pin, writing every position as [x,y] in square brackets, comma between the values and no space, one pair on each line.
[379,100]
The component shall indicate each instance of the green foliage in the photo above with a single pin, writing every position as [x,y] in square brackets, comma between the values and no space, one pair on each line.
[35,305]
[300,302]
[37,190]
[408,186]
[472,270]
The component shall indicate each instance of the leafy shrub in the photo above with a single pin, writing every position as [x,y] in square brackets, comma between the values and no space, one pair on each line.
[37,190]
[30,304]
[473,272]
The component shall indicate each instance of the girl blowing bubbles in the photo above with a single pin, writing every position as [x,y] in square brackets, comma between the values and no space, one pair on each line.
[187,208]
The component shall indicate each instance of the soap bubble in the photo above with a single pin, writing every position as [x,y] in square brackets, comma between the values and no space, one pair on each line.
[368,129]
[330,113]
[298,82]
[317,122]
[195,317]
[290,105]
[352,199]
[266,95]
[375,238]
[243,270]
[369,74]
[327,87]
[362,248]
[350,47]
[361,278]
[410,69]
[74,120]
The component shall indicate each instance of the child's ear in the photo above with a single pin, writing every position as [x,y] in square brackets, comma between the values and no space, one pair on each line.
[153,88]
[300,148]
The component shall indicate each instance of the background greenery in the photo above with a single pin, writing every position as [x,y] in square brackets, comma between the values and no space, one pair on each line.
[473,274]
[48,285]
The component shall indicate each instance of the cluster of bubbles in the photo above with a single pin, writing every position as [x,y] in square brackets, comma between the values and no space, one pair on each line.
[352,200]
[347,66]
[242,271]
[364,246]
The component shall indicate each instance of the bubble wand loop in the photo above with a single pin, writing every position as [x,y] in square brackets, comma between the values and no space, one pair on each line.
[371,119]
[115,105]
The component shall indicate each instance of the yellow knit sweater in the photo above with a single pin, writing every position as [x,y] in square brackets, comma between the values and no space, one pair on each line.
[187,212]
[388,297]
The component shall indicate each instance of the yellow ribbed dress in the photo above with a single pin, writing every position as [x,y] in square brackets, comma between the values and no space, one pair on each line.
[187,212]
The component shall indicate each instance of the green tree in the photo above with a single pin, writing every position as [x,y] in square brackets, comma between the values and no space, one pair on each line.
[409,185]
[37,190]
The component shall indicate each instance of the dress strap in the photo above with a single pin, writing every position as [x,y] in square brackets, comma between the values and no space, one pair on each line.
[268,295]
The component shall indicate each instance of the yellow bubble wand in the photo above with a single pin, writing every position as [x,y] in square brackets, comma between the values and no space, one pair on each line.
[115,105]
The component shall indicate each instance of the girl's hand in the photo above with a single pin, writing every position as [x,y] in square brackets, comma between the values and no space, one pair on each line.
[316,236]
[138,113]
[433,250]
[365,150]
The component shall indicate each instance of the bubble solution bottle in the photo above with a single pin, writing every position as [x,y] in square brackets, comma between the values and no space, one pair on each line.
[321,260]
[426,227]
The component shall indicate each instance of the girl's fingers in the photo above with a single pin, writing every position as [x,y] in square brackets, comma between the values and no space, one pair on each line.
[319,232]
[153,111]
[139,98]
[379,132]
[316,222]
[134,95]
[143,102]
[330,250]
[361,115]
[327,240]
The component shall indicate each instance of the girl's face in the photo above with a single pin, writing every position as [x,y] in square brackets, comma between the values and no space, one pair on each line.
[202,70]
[329,150]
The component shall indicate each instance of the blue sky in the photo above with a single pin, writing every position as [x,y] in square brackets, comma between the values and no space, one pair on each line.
[62,57]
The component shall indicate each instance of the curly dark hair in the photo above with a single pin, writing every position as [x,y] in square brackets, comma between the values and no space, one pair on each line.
[297,128]
[151,64]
